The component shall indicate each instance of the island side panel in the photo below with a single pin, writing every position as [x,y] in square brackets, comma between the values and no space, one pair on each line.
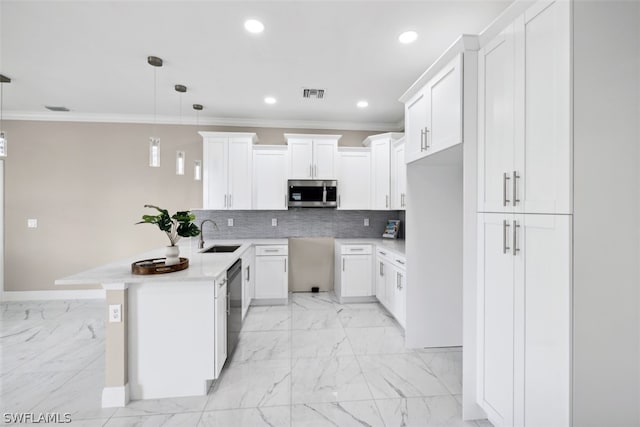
[116,390]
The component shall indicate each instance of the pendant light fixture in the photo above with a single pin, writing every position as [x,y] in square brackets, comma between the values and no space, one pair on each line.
[197,164]
[3,135]
[154,141]
[180,155]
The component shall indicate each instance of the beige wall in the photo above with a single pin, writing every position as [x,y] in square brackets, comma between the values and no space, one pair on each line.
[86,184]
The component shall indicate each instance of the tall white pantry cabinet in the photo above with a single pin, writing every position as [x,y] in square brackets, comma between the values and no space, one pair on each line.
[557,296]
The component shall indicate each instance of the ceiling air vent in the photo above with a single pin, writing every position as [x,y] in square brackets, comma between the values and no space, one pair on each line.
[313,93]
[56,108]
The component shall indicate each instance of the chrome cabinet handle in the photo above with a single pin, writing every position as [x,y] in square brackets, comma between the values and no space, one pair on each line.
[230,200]
[381,268]
[248,275]
[285,200]
[505,227]
[516,177]
[505,178]
[397,281]
[271,250]
[516,249]
[225,200]
[356,249]
[310,171]
[386,201]
[382,253]
[343,264]
[315,170]
[285,265]
[426,138]
[422,132]
[399,262]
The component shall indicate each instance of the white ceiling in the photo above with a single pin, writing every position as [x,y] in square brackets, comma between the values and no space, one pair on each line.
[90,56]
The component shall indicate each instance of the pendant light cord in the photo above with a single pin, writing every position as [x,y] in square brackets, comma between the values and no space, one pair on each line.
[1,103]
[155,98]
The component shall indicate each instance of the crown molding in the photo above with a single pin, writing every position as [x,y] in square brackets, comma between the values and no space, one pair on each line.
[202,121]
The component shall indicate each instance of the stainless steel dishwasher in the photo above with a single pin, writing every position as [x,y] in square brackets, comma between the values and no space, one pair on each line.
[234,306]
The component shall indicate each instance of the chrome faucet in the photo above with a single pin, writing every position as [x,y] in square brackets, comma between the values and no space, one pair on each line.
[201,241]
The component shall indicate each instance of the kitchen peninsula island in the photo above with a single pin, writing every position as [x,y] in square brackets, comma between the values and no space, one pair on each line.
[165,334]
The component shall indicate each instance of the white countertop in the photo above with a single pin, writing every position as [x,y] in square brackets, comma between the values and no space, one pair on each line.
[392,245]
[201,265]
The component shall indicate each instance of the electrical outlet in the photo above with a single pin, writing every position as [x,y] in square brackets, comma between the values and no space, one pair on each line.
[366,222]
[274,222]
[32,223]
[115,313]
[230,222]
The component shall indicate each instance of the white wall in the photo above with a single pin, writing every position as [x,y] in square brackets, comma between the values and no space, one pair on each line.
[606,214]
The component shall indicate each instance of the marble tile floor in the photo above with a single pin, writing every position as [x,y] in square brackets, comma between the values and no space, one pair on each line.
[313,362]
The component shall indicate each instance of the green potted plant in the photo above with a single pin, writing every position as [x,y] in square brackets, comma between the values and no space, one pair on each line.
[175,226]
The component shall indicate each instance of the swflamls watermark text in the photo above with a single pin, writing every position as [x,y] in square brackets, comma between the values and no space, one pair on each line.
[32,417]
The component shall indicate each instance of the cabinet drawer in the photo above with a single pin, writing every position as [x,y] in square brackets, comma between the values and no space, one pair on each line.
[356,249]
[399,261]
[272,250]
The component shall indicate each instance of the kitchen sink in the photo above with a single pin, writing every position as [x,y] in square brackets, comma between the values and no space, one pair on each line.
[221,249]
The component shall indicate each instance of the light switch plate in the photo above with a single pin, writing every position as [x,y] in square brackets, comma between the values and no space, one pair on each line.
[366,222]
[274,222]
[230,222]
[32,223]
[115,313]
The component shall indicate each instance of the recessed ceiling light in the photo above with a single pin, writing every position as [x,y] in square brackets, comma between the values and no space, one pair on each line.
[270,100]
[253,26]
[408,37]
[362,104]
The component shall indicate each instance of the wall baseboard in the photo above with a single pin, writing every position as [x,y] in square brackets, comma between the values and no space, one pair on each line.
[52,295]
[115,397]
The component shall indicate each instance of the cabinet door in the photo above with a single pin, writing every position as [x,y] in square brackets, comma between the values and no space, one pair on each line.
[270,179]
[543,328]
[496,104]
[398,195]
[415,125]
[354,180]
[400,299]
[381,272]
[496,317]
[445,119]
[356,276]
[324,159]
[240,168]
[215,172]
[220,329]
[380,197]
[271,277]
[543,161]
[300,158]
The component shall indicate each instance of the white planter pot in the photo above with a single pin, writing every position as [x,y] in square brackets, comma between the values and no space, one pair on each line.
[172,255]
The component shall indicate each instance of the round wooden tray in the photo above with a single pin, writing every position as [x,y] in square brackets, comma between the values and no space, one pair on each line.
[156,266]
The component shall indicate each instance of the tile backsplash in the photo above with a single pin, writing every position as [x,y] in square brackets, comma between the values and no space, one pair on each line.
[299,222]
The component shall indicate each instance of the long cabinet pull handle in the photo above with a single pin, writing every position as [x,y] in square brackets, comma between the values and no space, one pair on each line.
[516,227]
[285,265]
[315,170]
[342,264]
[426,138]
[386,201]
[230,200]
[381,268]
[516,177]
[422,140]
[505,178]
[505,239]
[225,200]
[310,171]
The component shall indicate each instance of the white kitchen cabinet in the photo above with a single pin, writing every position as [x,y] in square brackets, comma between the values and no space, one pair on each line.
[220,333]
[353,272]
[248,274]
[524,146]
[271,275]
[390,283]
[381,168]
[524,317]
[312,156]
[354,178]
[381,273]
[399,176]
[433,116]
[399,302]
[227,170]
[270,177]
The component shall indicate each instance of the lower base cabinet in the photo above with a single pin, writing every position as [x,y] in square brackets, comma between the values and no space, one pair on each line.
[524,318]
[390,284]
[220,345]
[353,272]
[271,275]
[248,280]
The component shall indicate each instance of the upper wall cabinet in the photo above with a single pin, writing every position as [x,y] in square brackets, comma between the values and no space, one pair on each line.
[227,170]
[270,177]
[524,115]
[381,146]
[433,116]
[312,156]
[354,178]
[398,176]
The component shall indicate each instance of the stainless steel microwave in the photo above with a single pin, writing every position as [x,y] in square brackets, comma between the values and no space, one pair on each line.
[313,193]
